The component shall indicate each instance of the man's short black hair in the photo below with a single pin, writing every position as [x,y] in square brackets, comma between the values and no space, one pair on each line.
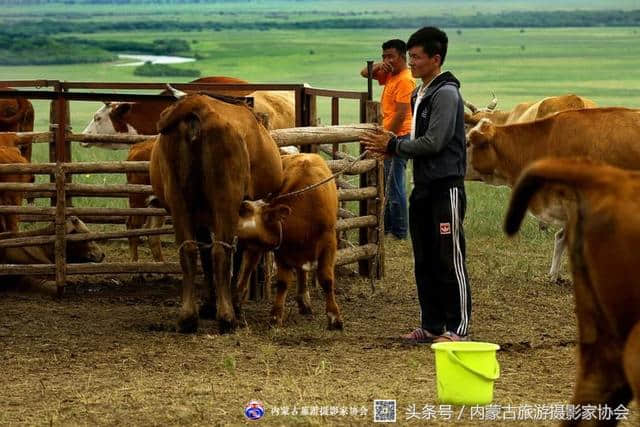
[396,44]
[433,40]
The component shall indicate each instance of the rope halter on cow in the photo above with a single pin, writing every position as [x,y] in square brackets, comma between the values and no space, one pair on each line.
[233,247]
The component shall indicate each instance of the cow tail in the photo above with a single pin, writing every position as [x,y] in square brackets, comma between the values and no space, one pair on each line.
[575,174]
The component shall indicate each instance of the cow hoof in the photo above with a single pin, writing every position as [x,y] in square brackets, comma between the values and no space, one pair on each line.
[226,327]
[335,324]
[188,325]
[208,311]
[305,310]
[274,322]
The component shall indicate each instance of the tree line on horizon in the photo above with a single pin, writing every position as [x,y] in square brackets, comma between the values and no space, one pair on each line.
[42,41]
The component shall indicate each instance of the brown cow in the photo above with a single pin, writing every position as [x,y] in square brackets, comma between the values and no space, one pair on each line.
[498,154]
[9,222]
[603,231]
[141,152]
[530,111]
[301,229]
[209,156]
[141,117]
[16,115]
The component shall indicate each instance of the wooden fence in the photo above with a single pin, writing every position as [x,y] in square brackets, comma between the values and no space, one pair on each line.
[369,194]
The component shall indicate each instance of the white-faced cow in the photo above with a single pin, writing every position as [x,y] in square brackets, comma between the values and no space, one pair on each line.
[498,154]
[140,118]
[300,229]
[603,231]
[210,155]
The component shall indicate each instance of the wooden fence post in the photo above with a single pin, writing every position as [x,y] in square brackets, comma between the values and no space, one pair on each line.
[364,266]
[60,246]
[374,115]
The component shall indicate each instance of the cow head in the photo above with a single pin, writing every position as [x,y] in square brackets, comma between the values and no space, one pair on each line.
[110,119]
[81,251]
[260,224]
[481,155]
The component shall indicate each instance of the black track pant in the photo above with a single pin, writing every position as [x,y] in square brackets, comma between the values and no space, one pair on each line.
[435,223]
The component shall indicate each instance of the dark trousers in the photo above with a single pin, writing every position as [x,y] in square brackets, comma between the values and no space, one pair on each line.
[435,223]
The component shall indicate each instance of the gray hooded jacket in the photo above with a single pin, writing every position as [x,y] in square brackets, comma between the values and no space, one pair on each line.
[439,148]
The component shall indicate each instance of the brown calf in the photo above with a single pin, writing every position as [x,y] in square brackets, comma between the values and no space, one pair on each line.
[603,230]
[301,230]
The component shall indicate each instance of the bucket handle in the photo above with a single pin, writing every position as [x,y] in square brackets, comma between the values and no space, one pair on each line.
[493,377]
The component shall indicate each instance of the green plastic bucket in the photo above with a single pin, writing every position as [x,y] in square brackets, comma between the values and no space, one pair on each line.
[466,371]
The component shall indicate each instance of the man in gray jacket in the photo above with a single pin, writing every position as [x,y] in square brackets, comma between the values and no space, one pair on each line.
[438,202]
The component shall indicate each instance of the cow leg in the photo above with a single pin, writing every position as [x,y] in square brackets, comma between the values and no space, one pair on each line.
[302,297]
[631,361]
[326,267]
[208,307]
[154,241]
[248,264]
[600,378]
[284,278]
[133,223]
[558,249]
[222,280]
[188,318]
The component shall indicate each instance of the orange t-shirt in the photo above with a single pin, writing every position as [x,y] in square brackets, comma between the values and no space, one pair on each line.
[397,89]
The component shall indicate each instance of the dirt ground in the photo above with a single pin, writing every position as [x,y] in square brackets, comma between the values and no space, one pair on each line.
[106,352]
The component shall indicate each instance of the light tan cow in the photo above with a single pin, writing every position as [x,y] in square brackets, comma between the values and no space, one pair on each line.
[76,251]
[498,154]
[603,231]
[530,111]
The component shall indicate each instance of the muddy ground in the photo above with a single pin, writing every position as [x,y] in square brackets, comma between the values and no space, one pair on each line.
[106,352]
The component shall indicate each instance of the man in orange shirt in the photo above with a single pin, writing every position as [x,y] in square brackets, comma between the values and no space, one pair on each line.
[398,84]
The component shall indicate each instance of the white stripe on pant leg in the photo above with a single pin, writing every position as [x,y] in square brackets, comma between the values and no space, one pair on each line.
[456,263]
[463,328]
[464,324]
[458,271]
[461,293]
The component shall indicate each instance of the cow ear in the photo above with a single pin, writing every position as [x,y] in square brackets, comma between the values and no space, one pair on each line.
[121,109]
[470,119]
[276,213]
[245,208]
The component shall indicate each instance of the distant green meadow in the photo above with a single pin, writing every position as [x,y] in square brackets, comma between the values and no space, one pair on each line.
[517,64]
